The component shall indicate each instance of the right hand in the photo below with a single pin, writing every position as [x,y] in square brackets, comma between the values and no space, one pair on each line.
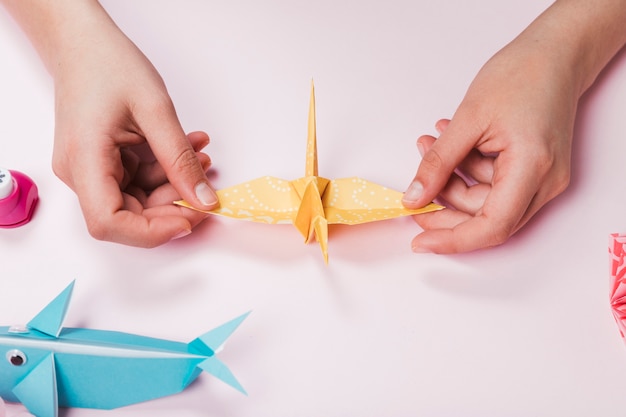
[511,137]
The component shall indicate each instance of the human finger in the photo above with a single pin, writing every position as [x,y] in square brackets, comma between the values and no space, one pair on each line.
[131,163]
[105,207]
[173,150]
[475,166]
[467,198]
[441,125]
[502,211]
[441,219]
[163,197]
[151,175]
[438,163]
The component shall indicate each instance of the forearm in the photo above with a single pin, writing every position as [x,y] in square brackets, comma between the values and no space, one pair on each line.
[583,35]
[58,28]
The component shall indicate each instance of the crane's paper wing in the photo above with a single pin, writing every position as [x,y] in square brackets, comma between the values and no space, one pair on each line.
[312,202]
[263,200]
[355,201]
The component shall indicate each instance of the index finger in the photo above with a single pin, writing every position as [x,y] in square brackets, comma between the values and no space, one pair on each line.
[440,160]
[175,153]
[513,189]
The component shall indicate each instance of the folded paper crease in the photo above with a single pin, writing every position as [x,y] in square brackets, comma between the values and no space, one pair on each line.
[312,202]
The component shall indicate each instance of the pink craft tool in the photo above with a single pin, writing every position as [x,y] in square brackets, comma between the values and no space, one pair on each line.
[18,198]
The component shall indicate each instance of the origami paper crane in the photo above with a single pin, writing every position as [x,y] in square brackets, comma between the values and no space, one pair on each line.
[311,203]
[47,366]
[617,255]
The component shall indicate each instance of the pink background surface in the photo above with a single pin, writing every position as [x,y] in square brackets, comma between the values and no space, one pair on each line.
[523,329]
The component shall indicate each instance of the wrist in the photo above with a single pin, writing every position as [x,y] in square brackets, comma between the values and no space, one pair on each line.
[580,35]
[58,29]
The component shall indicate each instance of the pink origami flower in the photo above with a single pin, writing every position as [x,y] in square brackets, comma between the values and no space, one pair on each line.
[617,252]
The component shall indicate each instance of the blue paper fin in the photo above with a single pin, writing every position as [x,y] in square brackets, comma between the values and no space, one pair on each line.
[217,368]
[215,338]
[211,341]
[50,319]
[38,390]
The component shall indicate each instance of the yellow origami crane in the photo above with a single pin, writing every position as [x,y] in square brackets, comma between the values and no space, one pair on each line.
[311,203]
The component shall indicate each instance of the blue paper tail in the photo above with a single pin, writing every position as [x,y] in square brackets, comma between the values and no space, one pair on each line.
[219,370]
[50,319]
[38,390]
[211,341]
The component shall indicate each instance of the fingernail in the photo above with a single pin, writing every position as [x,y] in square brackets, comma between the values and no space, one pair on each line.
[182,233]
[205,194]
[421,148]
[420,249]
[414,192]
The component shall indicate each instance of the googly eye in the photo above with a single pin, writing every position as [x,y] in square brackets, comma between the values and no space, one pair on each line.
[16,357]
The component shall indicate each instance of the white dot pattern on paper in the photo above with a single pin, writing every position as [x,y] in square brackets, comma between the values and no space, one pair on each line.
[266,200]
[345,201]
[355,200]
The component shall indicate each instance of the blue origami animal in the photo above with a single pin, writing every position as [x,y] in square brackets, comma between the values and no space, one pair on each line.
[47,366]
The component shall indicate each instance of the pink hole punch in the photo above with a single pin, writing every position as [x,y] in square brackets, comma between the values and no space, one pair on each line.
[18,198]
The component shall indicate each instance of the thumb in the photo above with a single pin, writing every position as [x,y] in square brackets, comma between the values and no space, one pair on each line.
[440,158]
[176,155]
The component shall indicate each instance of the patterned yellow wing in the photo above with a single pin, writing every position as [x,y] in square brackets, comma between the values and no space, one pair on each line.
[264,200]
[355,200]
